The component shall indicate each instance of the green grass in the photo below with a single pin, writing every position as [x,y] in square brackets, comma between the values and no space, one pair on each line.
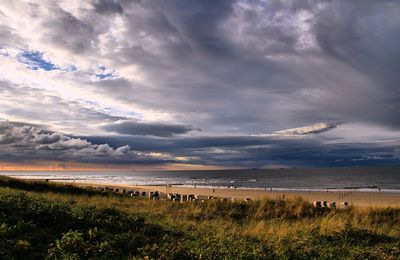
[42,220]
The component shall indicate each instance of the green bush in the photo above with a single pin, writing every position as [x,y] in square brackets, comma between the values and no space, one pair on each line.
[33,228]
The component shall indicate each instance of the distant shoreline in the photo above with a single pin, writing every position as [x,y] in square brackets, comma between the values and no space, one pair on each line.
[231,187]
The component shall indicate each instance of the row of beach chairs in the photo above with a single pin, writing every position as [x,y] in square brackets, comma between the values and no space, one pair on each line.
[330,205]
[132,193]
[170,196]
[196,197]
[154,195]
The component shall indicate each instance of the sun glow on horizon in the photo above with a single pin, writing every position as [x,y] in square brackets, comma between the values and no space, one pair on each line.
[74,166]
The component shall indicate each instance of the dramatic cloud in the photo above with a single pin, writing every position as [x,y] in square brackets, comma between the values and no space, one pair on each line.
[258,151]
[22,143]
[150,74]
[129,127]
[311,129]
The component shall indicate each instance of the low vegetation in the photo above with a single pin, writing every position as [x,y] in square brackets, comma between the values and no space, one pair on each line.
[42,220]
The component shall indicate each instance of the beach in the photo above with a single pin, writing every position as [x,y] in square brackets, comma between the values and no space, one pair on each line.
[356,198]
[378,187]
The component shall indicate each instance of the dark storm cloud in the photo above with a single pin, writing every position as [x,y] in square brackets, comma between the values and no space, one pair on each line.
[258,151]
[129,127]
[353,33]
[365,35]
[198,23]
[176,144]
[195,63]
[107,6]
[235,69]
[201,69]
[27,143]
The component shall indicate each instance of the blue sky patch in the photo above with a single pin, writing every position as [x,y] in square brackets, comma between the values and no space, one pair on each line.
[35,61]
[104,75]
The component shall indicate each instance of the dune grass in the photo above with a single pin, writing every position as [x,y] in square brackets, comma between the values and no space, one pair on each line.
[59,222]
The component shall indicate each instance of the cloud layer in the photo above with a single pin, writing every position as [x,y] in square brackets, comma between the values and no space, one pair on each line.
[151,74]
[29,143]
[129,127]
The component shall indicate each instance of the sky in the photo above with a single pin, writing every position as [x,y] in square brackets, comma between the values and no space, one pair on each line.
[123,84]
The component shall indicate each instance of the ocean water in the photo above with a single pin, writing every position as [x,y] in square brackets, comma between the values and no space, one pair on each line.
[365,179]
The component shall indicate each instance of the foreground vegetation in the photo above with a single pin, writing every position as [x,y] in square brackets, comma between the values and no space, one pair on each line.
[41,220]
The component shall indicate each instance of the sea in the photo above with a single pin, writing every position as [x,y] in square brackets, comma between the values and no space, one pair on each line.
[385,179]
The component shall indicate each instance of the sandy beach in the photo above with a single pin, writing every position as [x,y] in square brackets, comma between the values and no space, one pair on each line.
[356,198]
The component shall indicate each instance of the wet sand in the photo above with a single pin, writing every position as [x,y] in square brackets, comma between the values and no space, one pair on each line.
[356,198]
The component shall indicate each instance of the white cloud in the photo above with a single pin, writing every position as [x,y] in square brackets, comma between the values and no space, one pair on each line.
[310,129]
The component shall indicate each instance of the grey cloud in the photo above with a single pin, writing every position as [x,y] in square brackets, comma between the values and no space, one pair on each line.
[198,22]
[231,68]
[107,6]
[129,127]
[15,123]
[68,114]
[259,151]
[176,144]
[64,143]
[193,65]
[363,35]
[235,60]
[48,138]
[21,143]
[67,31]
[345,33]
[196,76]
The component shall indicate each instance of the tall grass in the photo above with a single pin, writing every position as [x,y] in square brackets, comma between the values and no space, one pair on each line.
[264,229]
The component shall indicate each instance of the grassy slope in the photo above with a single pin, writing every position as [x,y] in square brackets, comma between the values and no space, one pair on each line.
[38,220]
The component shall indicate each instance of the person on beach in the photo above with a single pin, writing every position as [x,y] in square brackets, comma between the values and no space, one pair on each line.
[213,190]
